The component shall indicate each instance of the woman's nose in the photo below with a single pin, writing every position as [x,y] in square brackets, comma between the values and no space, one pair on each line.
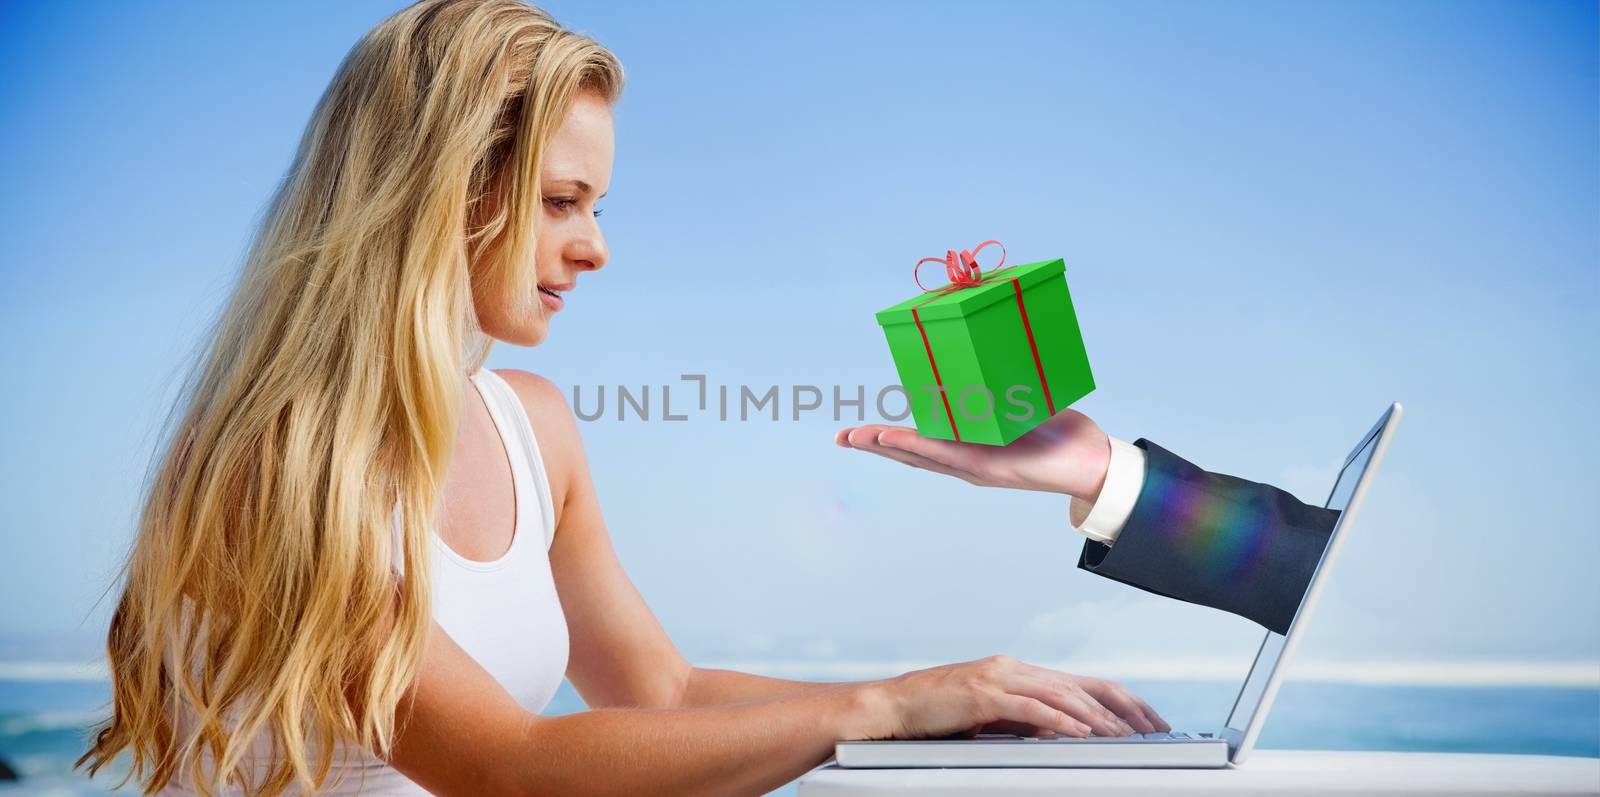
[588,251]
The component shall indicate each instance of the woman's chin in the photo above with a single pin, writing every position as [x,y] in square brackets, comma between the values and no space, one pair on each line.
[530,332]
[534,336]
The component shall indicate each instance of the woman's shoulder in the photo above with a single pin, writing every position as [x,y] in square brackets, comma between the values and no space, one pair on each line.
[554,425]
[535,391]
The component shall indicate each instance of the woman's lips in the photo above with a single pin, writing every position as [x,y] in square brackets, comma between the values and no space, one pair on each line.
[552,299]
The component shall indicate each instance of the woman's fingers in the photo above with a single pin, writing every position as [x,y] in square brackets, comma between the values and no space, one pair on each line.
[1155,719]
[1157,724]
[1065,695]
[1060,691]
[1020,708]
[1113,696]
[1117,701]
[1126,703]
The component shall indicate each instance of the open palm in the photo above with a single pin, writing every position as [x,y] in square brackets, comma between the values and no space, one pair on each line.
[1066,454]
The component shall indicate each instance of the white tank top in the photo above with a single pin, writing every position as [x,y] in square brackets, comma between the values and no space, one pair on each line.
[504,613]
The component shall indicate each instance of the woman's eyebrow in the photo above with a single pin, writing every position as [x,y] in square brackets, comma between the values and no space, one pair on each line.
[583,187]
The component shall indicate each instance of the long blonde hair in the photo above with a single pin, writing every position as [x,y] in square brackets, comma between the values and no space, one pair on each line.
[260,594]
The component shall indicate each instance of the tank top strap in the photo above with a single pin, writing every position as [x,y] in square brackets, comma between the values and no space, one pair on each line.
[522,446]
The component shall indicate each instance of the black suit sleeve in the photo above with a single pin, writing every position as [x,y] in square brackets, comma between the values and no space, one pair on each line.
[1219,541]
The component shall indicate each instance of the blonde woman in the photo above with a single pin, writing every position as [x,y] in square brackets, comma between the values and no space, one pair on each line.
[365,562]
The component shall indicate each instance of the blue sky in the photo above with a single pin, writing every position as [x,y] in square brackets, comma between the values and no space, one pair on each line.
[1276,217]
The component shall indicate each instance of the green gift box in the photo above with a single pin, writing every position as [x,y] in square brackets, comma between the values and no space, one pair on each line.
[986,362]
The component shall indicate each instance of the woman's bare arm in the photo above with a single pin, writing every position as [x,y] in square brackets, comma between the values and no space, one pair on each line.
[462,733]
[710,686]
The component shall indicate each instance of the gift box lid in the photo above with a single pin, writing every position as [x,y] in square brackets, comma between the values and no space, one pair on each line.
[966,301]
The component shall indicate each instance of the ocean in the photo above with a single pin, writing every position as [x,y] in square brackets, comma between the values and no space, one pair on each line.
[43,722]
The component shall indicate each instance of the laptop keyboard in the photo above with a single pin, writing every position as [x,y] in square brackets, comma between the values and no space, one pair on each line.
[1174,736]
[1132,736]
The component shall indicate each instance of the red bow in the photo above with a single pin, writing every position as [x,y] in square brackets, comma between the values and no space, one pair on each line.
[961,267]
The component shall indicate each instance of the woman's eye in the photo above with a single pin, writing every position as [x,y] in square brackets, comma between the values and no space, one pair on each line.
[562,203]
[598,211]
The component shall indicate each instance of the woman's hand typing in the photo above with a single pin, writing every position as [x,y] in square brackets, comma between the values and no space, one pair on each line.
[1002,694]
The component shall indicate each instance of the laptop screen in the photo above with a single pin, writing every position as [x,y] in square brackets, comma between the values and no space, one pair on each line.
[1272,647]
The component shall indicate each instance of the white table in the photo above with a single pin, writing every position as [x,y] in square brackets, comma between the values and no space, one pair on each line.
[1289,772]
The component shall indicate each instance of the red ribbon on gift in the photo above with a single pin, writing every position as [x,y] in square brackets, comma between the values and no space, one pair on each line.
[963,271]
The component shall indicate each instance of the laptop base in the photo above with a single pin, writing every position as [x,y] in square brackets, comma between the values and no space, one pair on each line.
[1175,751]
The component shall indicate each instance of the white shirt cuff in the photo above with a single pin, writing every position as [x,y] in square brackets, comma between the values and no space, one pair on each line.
[1103,520]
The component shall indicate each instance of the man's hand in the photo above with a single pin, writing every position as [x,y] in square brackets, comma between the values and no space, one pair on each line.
[1066,454]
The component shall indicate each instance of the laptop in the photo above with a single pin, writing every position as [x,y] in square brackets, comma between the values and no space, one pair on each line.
[1210,750]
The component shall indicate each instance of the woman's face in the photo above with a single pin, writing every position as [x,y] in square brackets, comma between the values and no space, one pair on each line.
[575,174]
